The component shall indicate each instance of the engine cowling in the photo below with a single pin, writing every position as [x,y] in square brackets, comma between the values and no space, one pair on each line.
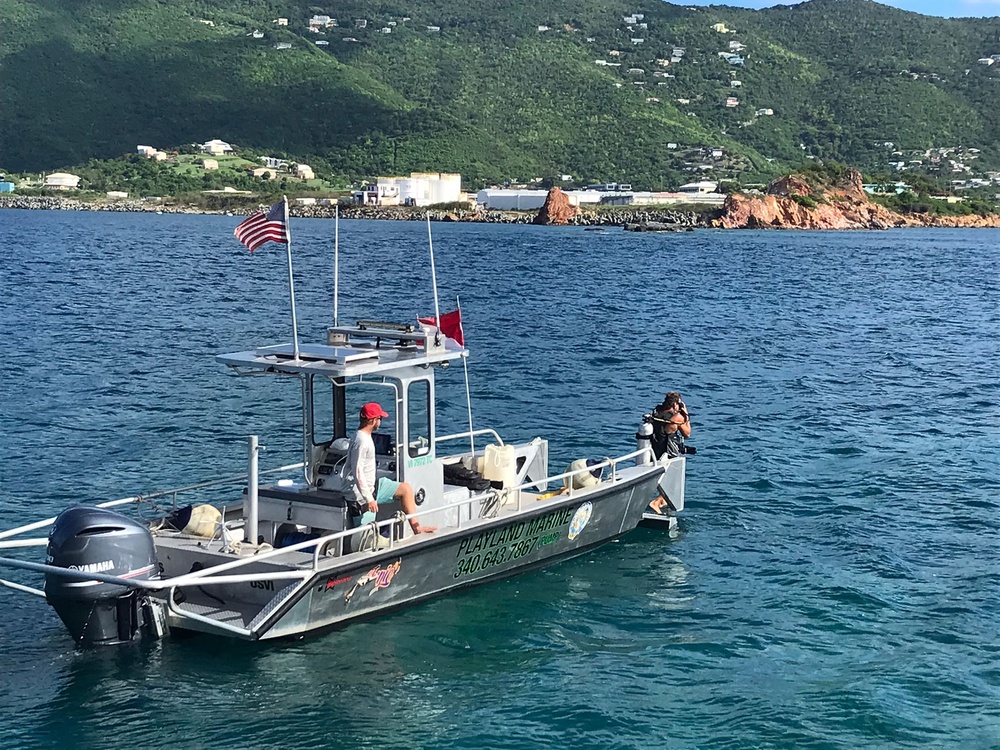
[97,540]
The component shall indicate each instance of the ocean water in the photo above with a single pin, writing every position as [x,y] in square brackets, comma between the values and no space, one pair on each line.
[835,582]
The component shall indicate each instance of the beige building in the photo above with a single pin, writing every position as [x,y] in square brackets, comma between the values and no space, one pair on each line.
[216,147]
[62,181]
[209,164]
[304,172]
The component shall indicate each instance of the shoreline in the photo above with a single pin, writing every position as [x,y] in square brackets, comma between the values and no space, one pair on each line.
[676,220]
[655,219]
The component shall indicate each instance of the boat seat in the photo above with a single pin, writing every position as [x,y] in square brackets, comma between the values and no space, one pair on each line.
[302,505]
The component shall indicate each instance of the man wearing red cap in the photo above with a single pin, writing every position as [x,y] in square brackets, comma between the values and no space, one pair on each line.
[360,478]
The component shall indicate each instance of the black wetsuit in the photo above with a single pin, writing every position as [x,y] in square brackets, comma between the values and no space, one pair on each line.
[663,442]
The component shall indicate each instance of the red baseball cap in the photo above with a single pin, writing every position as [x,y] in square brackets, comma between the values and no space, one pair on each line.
[372,410]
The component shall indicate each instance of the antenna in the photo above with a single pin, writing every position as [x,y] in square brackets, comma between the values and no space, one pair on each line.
[437,309]
[291,281]
[336,260]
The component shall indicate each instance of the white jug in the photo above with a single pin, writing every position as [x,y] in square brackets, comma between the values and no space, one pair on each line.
[500,464]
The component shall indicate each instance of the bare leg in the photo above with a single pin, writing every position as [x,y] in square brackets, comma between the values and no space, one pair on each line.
[657,505]
[405,496]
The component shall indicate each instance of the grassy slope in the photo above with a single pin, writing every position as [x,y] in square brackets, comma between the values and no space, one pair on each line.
[488,95]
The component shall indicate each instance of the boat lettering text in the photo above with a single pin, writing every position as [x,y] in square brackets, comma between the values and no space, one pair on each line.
[266,585]
[491,548]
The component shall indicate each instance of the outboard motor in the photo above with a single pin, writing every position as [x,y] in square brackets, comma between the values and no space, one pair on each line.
[96,540]
[644,439]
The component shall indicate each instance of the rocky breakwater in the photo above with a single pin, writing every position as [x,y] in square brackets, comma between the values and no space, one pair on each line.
[558,210]
[53,203]
[792,203]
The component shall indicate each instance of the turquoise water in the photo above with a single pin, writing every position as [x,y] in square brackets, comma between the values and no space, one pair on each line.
[835,580]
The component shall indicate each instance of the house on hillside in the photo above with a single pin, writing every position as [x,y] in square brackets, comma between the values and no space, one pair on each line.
[62,181]
[216,148]
[209,165]
[304,172]
[721,28]
[705,186]
[732,101]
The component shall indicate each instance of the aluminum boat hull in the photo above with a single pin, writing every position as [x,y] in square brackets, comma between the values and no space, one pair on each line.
[364,586]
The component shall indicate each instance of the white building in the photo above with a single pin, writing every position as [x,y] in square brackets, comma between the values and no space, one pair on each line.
[380,194]
[705,186]
[216,148]
[530,200]
[304,172]
[62,181]
[419,189]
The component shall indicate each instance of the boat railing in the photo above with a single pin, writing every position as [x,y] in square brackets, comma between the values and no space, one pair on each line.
[470,435]
[135,500]
[210,576]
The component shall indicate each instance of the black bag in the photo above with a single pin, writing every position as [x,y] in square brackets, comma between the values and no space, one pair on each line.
[461,476]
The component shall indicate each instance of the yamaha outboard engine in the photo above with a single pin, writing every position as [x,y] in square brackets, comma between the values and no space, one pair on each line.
[95,540]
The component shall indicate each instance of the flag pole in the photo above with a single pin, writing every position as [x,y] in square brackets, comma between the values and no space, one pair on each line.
[434,283]
[468,393]
[336,261]
[291,281]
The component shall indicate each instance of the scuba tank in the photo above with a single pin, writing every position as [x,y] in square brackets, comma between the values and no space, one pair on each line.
[644,440]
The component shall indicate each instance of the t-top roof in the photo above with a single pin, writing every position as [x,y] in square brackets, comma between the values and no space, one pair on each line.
[353,350]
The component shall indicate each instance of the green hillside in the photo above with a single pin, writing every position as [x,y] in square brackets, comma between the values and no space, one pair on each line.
[508,90]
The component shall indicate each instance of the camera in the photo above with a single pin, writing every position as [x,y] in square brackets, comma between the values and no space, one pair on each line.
[689,450]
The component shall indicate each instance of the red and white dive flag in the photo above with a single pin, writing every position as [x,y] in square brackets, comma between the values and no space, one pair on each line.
[451,325]
[266,226]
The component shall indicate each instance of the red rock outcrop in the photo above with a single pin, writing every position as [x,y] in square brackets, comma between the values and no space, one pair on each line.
[844,205]
[557,209]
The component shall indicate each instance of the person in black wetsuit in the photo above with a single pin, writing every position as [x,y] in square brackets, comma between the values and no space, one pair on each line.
[671,425]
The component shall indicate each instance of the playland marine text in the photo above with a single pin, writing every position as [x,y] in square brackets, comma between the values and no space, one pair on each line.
[496,547]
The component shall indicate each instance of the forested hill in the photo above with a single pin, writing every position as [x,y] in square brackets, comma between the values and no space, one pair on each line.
[599,89]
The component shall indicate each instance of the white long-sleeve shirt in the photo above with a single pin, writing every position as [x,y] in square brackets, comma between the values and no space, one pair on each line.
[358,474]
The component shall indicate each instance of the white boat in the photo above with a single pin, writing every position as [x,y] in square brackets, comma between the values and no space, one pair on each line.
[279,558]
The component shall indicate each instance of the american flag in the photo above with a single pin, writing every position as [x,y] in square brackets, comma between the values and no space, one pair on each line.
[264,227]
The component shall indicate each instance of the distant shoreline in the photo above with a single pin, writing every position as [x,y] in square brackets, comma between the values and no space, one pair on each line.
[619,216]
